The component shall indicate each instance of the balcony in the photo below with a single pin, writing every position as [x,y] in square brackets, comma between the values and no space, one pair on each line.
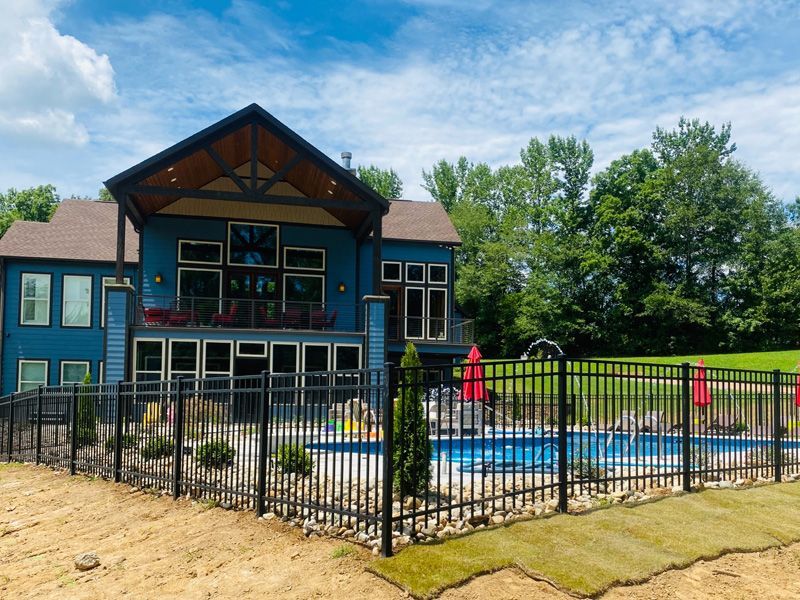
[194,312]
[431,330]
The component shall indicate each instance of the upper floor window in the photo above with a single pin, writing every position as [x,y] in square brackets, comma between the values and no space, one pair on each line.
[304,259]
[252,245]
[437,273]
[415,272]
[193,251]
[35,306]
[391,271]
[76,308]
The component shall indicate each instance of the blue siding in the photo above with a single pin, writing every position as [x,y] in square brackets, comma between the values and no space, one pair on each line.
[117,320]
[376,334]
[402,251]
[53,343]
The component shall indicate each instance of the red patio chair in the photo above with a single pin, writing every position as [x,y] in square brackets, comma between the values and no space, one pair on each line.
[292,318]
[154,315]
[222,320]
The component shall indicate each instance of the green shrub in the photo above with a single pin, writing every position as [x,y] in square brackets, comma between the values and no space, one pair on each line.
[411,455]
[87,419]
[158,447]
[583,466]
[294,459]
[215,454]
[740,427]
[128,441]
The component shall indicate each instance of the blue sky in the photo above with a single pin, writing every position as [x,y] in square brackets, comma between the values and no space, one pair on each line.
[91,87]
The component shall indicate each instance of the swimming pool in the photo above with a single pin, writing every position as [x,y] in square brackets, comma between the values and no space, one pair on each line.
[536,452]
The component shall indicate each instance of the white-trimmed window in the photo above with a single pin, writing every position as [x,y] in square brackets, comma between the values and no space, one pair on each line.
[437,313]
[106,281]
[392,271]
[253,244]
[76,304]
[217,358]
[73,371]
[183,358]
[303,259]
[251,349]
[35,299]
[415,273]
[304,288]
[285,357]
[346,357]
[415,313]
[148,356]
[437,273]
[199,283]
[200,252]
[31,374]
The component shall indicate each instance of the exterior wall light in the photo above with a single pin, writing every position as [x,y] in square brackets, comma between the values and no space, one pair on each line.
[159,278]
[342,287]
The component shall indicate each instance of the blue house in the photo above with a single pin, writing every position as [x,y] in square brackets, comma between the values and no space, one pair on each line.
[240,249]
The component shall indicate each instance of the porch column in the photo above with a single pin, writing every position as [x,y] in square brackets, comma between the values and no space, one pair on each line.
[118,317]
[377,251]
[120,272]
[376,319]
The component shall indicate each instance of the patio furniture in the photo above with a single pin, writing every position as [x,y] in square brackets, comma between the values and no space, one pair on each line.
[154,315]
[627,422]
[180,318]
[268,321]
[653,422]
[725,423]
[320,319]
[221,320]
[292,318]
[455,418]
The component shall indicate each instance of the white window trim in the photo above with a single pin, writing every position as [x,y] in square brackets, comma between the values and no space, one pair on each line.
[26,361]
[227,373]
[199,262]
[172,374]
[316,345]
[406,316]
[360,354]
[272,356]
[136,342]
[64,299]
[22,299]
[304,274]
[87,363]
[101,371]
[414,264]
[429,320]
[446,274]
[180,271]
[311,269]
[104,281]
[399,270]
[241,354]
[277,244]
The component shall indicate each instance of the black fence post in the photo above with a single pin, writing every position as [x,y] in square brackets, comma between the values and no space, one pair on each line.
[38,424]
[73,434]
[777,425]
[388,474]
[263,446]
[686,415]
[10,426]
[177,422]
[563,467]
[118,435]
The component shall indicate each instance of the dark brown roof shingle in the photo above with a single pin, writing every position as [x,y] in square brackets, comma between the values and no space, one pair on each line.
[79,230]
[420,222]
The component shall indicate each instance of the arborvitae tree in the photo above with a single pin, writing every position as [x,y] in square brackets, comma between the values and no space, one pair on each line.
[411,457]
[87,419]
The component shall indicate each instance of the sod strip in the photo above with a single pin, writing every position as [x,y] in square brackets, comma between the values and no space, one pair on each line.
[587,554]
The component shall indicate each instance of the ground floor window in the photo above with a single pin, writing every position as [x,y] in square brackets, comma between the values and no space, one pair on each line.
[149,360]
[74,371]
[217,359]
[183,358]
[32,374]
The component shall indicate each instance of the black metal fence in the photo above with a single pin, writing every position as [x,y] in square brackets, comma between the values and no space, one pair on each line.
[343,450]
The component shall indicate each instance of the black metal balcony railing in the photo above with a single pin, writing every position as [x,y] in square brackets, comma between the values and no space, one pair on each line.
[432,330]
[182,311]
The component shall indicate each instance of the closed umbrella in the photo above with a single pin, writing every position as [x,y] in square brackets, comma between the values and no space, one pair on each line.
[474,386]
[797,392]
[702,395]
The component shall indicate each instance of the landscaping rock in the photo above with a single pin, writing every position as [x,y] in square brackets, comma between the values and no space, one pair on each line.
[87,561]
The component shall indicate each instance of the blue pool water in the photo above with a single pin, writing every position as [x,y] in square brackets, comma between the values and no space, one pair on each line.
[537,452]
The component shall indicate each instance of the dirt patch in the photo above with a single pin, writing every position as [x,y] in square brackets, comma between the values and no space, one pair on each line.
[151,546]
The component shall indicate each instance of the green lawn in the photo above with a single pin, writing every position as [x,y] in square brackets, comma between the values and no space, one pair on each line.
[587,554]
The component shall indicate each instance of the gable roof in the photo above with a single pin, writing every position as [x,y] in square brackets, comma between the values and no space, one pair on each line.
[419,222]
[79,230]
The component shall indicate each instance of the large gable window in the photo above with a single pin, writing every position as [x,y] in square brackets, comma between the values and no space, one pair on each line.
[35,309]
[252,245]
[191,251]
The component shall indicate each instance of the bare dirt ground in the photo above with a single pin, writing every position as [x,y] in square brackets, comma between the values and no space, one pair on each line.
[151,546]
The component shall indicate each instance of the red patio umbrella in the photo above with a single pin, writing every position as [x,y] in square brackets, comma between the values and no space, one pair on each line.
[474,386]
[797,392]
[702,395]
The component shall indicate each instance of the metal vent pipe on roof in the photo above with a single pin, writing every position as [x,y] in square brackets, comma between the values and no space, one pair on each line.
[346,156]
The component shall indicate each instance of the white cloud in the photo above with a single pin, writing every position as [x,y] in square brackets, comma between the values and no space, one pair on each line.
[49,79]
